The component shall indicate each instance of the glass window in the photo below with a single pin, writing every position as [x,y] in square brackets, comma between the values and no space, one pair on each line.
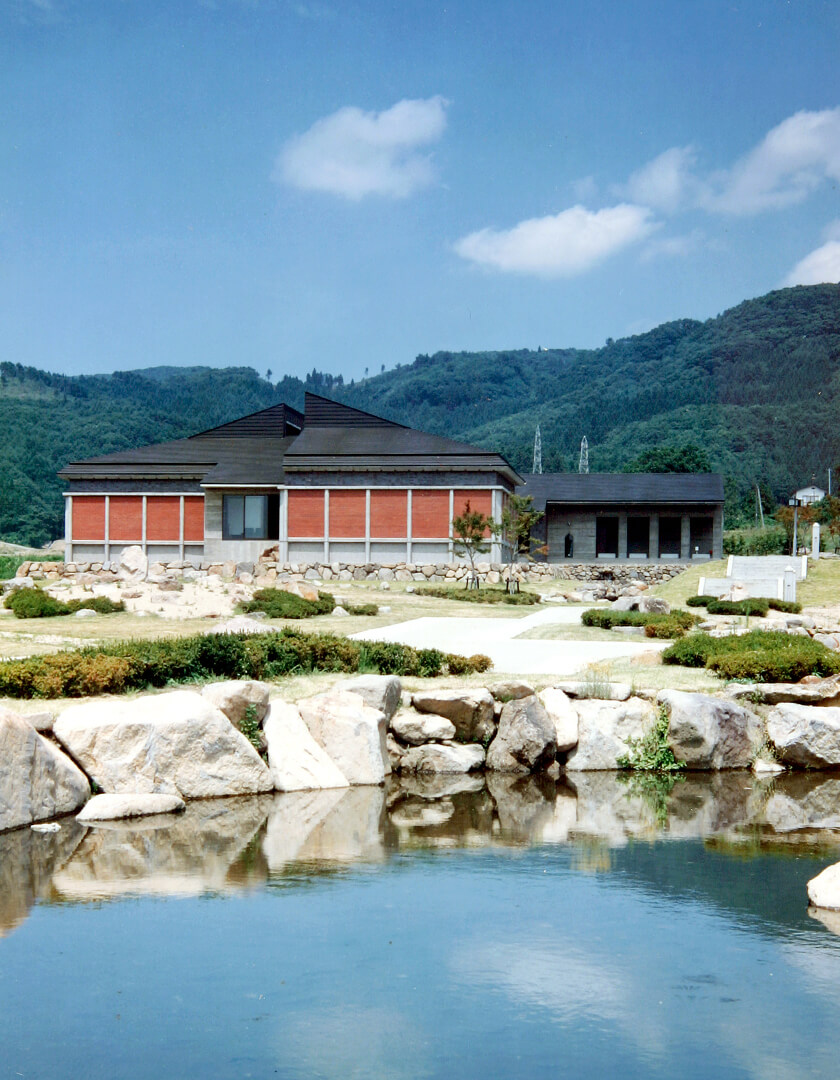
[245,517]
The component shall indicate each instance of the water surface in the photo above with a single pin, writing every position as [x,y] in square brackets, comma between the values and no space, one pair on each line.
[434,929]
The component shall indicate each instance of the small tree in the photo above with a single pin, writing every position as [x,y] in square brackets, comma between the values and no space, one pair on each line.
[471,532]
[518,520]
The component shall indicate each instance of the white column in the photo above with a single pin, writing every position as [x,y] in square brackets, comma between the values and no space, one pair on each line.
[815,540]
[496,553]
[367,525]
[326,525]
[283,529]
[145,512]
[451,516]
[68,528]
[107,543]
[181,530]
[408,527]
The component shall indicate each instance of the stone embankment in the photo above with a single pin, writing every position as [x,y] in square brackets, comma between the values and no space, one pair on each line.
[268,570]
[187,745]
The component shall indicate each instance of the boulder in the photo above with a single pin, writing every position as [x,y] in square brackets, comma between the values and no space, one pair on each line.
[526,740]
[805,735]
[711,733]
[175,743]
[824,889]
[37,781]
[470,710]
[395,752]
[608,692]
[134,565]
[626,603]
[351,732]
[111,807]
[417,728]
[511,690]
[604,728]
[562,714]
[296,760]
[235,696]
[654,605]
[817,692]
[443,758]
[382,692]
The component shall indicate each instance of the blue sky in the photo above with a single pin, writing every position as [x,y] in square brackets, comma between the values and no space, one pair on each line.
[289,184]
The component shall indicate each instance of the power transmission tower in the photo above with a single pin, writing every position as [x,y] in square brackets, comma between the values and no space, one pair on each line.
[583,461]
[537,452]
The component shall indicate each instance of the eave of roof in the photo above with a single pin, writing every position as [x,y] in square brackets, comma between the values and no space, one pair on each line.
[582,489]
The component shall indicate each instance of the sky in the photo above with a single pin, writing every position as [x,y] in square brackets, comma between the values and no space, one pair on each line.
[342,185]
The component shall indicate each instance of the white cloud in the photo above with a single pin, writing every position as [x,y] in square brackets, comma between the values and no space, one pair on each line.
[355,153]
[822,265]
[561,245]
[793,159]
[674,247]
[667,182]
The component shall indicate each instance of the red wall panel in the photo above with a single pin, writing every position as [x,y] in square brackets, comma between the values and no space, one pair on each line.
[163,518]
[88,517]
[194,517]
[430,514]
[347,514]
[388,514]
[306,513]
[481,501]
[125,518]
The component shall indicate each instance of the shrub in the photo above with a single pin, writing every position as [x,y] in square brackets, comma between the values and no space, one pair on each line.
[361,609]
[673,625]
[761,655]
[651,753]
[279,604]
[751,606]
[668,628]
[37,604]
[487,595]
[785,605]
[772,541]
[466,665]
[699,601]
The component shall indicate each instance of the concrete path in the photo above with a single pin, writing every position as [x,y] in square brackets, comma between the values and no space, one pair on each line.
[497,638]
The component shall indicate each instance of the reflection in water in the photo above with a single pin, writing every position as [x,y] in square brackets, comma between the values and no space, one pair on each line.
[220,845]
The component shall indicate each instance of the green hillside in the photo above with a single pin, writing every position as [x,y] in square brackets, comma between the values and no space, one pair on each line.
[757,388]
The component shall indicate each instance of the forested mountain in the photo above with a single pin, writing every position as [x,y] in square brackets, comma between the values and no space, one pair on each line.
[758,388]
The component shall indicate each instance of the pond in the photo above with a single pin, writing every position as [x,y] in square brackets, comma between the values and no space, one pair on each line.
[447,928]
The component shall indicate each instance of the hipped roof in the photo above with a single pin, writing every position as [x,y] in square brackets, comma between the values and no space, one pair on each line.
[582,489]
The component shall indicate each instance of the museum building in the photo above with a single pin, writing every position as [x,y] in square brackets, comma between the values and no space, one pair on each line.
[335,484]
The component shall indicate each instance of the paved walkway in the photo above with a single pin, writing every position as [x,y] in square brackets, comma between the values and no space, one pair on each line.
[497,638]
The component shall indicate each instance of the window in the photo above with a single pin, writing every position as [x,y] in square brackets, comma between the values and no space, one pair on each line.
[250,517]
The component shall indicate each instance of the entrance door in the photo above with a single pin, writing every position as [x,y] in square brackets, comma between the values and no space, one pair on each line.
[638,536]
[670,532]
[606,537]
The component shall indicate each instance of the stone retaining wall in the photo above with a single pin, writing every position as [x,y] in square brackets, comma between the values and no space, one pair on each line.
[268,569]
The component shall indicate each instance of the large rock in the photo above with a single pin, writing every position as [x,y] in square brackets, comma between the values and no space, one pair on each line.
[440,758]
[296,760]
[654,605]
[112,807]
[526,740]
[711,733]
[564,717]
[417,728]
[176,743]
[37,781]
[604,728]
[235,696]
[134,565]
[805,735]
[818,692]
[824,889]
[606,692]
[381,692]
[351,732]
[471,711]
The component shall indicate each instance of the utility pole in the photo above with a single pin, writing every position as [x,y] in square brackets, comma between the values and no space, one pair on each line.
[537,452]
[583,460]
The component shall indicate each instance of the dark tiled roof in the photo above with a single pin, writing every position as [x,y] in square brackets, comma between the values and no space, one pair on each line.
[590,488]
[261,448]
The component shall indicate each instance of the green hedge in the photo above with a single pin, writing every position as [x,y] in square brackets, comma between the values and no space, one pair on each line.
[753,605]
[37,604]
[279,604]
[760,655]
[480,596]
[139,665]
[656,625]
[772,541]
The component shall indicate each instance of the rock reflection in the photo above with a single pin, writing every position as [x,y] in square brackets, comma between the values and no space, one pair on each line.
[227,844]
[198,851]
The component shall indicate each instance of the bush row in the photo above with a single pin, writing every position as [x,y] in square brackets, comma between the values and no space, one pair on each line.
[656,625]
[753,605]
[139,665]
[480,596]
[37,604]
[772,541]
[279,604]
[760,655]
